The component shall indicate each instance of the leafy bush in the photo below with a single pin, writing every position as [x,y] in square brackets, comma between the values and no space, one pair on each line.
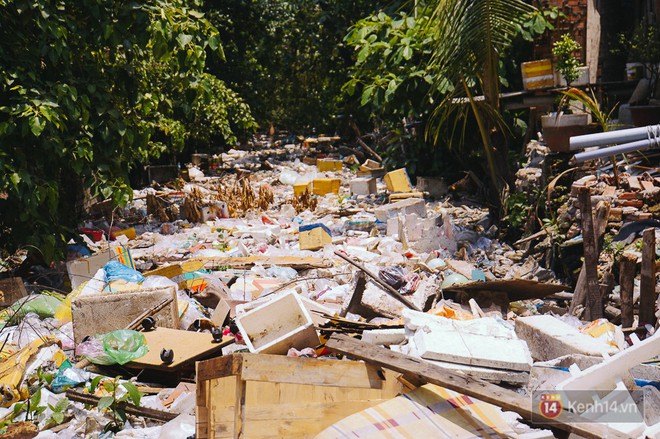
[88,90]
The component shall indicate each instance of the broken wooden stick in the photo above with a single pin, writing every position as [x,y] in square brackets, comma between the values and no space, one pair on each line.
[421,370]
[388,289]
[600,224]
[627,283]
[594,308]
[647,294]
[156,415]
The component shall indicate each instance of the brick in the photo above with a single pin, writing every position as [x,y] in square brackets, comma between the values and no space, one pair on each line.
[633,183]
[631,203]
[627,196]
[616,214]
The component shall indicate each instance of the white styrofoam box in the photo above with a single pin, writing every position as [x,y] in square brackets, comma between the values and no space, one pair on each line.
[277,326]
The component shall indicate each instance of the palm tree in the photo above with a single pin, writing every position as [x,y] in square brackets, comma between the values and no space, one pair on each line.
[471,35]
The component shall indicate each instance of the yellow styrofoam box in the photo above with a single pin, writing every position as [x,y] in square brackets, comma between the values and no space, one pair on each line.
[398,181]
[129,233]
[300,188]
[314,237]
[322,186]
[325,165]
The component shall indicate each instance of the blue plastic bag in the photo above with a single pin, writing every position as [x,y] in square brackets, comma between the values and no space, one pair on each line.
[115,270]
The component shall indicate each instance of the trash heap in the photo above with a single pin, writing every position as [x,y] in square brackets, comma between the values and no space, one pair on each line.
[301,290]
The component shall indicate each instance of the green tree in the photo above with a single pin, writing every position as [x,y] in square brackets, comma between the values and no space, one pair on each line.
[471,35]
[288,58]
[87,90]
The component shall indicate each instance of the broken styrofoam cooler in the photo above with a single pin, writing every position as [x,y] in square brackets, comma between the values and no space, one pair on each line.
[102,312]
[277,326]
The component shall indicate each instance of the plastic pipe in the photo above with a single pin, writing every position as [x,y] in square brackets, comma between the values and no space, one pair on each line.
[613,150]
[609,137]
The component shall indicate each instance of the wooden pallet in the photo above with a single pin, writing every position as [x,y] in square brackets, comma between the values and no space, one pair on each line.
[273,396]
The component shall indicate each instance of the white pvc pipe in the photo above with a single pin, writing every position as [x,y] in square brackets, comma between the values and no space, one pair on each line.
[613,150]
[609,137]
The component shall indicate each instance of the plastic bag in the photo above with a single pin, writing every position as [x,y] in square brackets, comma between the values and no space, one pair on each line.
[115,270]
[398,279]
[41,304]
[116,347]
[392,276]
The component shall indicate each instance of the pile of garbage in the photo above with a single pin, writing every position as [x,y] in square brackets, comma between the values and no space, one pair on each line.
[237,299]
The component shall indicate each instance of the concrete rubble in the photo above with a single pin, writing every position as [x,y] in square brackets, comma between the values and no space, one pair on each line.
[234,266]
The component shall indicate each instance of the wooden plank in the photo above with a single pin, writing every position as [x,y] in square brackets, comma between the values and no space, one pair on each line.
[277,368]
[298,263]
[594,304]
[219,367]
[627,266]
[647,295]
[419,369]
[188,346]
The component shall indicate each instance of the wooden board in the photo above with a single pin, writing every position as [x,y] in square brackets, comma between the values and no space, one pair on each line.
[516,289]
[297,263]
[423,371]
[273,396]
[188,346]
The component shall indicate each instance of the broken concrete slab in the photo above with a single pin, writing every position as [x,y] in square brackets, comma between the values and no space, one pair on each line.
[549,337]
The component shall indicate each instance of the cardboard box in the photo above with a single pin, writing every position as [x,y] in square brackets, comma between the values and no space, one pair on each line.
[11,289]
[323,186]
[398,181]
[83,269]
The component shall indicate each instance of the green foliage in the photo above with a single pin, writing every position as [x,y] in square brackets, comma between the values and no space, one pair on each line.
[590,102]
[392,76]
[518,206]
[113,401]
[565,62]
[643,45]
[287,58]
[536,23]
[87,91]
[470,36]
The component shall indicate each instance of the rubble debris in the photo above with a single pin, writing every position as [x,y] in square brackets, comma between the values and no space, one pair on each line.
[281,251]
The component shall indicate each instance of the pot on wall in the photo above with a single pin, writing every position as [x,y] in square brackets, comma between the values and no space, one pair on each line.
[557,130]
